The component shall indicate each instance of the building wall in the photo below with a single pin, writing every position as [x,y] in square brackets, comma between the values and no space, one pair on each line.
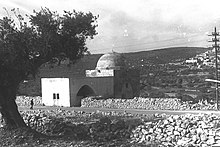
[101,86]
[105,83]
[134,78]
[126,83]
[55,91]
[100,73]
[60,71]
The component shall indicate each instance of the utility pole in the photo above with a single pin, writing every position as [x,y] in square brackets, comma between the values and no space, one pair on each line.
[216,47]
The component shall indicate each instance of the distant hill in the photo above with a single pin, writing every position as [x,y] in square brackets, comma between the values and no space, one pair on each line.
[166,55]
[135,59]
[160,56]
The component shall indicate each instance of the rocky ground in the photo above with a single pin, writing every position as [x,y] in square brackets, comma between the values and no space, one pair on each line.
[145,103]
[59,127]
[75,128]
[135,103]
[200,130]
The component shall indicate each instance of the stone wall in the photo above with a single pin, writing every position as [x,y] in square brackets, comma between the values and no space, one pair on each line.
[180,130]
[145,103]
[25,100]
[201,130]
[135,103]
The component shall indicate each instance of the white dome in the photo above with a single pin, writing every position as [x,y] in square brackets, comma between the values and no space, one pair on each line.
[111,61]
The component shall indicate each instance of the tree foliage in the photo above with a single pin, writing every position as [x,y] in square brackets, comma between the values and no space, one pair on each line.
[28,42]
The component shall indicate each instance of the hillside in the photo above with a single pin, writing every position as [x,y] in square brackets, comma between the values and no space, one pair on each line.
[163,56]
[134,59]
[160,56]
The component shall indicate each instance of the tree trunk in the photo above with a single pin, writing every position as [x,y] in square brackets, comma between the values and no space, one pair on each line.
[11,115]
[9,109]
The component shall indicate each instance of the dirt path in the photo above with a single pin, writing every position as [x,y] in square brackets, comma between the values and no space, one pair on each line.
[133,111]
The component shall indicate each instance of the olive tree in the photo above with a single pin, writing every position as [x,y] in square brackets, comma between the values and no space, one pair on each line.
[28,42]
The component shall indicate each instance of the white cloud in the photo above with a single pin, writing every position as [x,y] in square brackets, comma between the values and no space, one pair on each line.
[144,20]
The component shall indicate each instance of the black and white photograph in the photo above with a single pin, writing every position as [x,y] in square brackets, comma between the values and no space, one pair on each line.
[109,73]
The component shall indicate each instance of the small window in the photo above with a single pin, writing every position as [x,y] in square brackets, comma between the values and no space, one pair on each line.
[58,96]
[54,96]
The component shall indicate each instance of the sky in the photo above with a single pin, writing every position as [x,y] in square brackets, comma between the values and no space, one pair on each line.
[137,25]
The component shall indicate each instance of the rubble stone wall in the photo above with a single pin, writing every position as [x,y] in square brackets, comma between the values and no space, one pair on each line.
[180,130]
[135,103]
[145,103]
[25,100]
[161,129]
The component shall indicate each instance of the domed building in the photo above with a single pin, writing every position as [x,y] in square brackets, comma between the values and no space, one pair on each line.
[113,60]
[111,78]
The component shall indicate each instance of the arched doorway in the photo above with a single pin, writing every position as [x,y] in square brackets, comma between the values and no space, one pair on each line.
[83,92]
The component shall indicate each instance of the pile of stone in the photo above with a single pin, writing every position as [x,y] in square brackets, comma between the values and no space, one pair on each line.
[180,130]
[36,119]
[25,100]
[99,125]
[135,103]
[160,129]
[145,103]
